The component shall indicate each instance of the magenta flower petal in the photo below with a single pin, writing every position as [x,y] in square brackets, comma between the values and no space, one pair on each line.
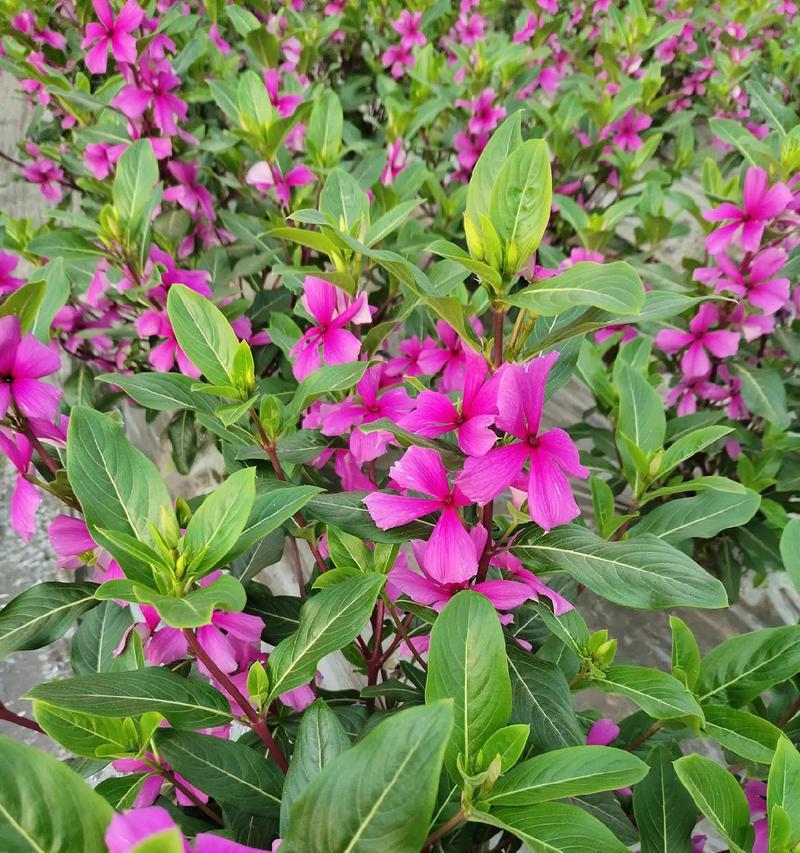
[563,450]
[389,511]
[695,361]
[602,733]
[421,470]
[721,342]
[504,595]
[476,437]
[550,499]
[416,586]
[450,556]
[484,478]
[128,829]
[36,399]
[24,503]
[34,359]
[672,340]
[10,337]
[340,347]
[435,414]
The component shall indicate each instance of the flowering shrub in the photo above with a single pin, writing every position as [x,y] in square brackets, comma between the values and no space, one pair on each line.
[348,253]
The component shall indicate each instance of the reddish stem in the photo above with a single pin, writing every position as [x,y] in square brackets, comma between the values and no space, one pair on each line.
[257,724]
[18,720]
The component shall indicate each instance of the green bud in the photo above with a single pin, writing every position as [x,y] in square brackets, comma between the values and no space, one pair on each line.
[258,684]
[169,527]
[183,512]
[270,414]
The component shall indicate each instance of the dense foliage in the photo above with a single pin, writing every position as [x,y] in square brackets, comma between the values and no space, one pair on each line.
[345,254]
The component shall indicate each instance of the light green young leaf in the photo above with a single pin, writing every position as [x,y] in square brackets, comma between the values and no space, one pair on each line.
[657,693]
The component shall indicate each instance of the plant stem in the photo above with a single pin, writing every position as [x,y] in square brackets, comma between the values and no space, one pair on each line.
[190,794]
[644,736]
[257,724]
[787,717]
[456,820]
[25,429]
[18,720]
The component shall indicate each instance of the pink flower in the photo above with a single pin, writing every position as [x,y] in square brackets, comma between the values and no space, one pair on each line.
[450,555]
[70,539]
[25,498]
[100,158]
[452,360]
[407,26]
[756,282]
[627,129]
[436,414]
[699,341]
[398,58]
[8,283]
[761,203]
[691,389]
[285,104]
[129,830]
[328,342]
[411,350]
[23,362]
[602,733]
[164,355]
[264,177]
[154,91]
[373,405]
[395,162]
[485,116]
[190,194]
[113,33]
[552,455]
[430,590]
[48,176]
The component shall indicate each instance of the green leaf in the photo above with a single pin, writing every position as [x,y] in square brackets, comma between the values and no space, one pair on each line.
[343,199]
[745,734]
[688,445]
[783,785]
[186,703]
[118,487]
[742,667]
[84,734]
[502,142]
[556,828]
[647,574]
[203,333]
[718,796]
[24,303]
[519,202]
[641,411]
[135,178]
[280,613]
[656,693]
[163,392]
[192,610]
[467,663]
[665,813]
[320,739]
[390,221]
[568,772]
[507,743]
[540,696]
[121,791]
[790,550]
[225,770]
[324,129]
[329,620]
[700,517]
[217,525]
[270,510]
[347,511]
[685,653]
[45,806]
[98,635]
[614,287]
[446,249]
[325,380]
[41,614]
[764,394]
[362,800]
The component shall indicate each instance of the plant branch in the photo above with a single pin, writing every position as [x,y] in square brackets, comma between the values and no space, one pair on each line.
[18,720]
[190,794]
[448,826]
[644,736]
[257,724]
